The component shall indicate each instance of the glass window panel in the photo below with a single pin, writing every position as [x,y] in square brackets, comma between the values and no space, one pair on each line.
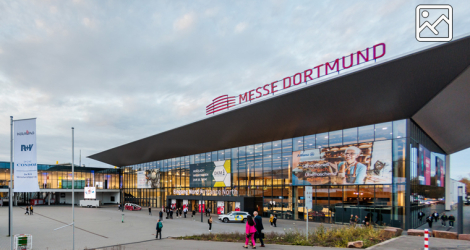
[214,156]
[259,149]
[286,167]
[267,168]
[383,131]
[287,145]
[202,158]
[298,144]
[349,136]
[208,156]
[241,152]
[242,176]
[277,166]
[221,155]
[322,140]
[234,153]
[399,129]
[228,153]
[267,148]
[250,150]
[250,170]
[234,172]
[258,170]
[277,147]
[335,138]
[366,133]
[196,159]
[399,149]
[309,142]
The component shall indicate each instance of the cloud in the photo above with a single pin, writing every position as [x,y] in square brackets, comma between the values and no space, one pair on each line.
[143,73]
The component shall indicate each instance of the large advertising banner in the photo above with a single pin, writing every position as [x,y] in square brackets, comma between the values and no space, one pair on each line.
[25,168]
[220,207]
[440,172]
[362,163]
[148,178]
[210,174]
[90,193]
[424,166]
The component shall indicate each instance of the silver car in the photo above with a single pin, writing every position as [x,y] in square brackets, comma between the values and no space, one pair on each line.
[237,216]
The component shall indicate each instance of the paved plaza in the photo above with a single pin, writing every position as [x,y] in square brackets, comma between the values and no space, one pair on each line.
[97,227]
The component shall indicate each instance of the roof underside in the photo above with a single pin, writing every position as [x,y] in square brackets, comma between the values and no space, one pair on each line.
[419,86]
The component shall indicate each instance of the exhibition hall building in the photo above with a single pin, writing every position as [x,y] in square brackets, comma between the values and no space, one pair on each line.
[373,141]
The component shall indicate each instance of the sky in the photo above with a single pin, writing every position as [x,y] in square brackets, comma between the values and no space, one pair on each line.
[118,71]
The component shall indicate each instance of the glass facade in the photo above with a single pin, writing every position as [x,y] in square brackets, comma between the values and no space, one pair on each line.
[264,171]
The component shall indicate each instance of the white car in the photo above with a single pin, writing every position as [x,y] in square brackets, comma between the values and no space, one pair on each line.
[239,216]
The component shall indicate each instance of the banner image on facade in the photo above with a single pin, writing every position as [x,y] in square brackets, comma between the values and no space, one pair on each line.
[210,174]
[148,178]
[25,156]
[440,172]
[201,207]
[185,204]
[362,163]
[90,193]
[220,207]
[237,206]
[424,166]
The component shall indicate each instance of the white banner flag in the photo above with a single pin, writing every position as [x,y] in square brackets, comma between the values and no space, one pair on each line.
[25,168]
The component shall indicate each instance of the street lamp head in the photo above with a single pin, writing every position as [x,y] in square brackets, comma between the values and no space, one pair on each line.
[460,191]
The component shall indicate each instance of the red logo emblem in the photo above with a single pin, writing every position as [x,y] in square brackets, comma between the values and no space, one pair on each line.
[220,103]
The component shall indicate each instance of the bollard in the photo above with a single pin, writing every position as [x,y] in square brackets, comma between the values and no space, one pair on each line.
[426,239]
[122,218]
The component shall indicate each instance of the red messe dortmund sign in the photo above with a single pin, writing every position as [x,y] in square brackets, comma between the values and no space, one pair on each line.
[225,102]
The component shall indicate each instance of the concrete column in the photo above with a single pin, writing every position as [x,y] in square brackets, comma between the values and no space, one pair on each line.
[16,199]
[295,208]
[49,196]
[448,185]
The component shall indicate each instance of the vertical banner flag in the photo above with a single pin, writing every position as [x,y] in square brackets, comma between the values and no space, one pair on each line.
[25,168]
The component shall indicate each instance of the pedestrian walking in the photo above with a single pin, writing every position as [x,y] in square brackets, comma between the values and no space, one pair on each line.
[275,220]
[429,221]
[259,228]
[451,220]
[31,210]
[159,229]
[209,221]
[27,210]
[366,221]
[150,211]
[271,218]
[352,220]
[194,214]
[167,213]
[181,212]
[250,231]
[185,211]
[171,214]
[436,216]
[160,215]
[420,216]
[444,219]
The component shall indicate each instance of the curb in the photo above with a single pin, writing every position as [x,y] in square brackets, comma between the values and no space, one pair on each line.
[385,242]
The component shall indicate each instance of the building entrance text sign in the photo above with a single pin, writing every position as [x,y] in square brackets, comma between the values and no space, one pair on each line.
[210,174]
[225,102]
[362,163]
[225,192]
[25,167]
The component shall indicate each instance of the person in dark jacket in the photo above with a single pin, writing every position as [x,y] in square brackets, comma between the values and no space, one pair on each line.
[451,220]
[420,216]
[429,220]
[435,215]
[150,211]
[275,220]
[171,213]
[259,227]
[444,219]
[160,214]
[159,229]
[27,210]
[209,221]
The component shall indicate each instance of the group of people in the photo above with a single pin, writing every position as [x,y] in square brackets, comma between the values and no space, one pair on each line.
[273,220]
[253,230]
[355,220]
[29,210]
[434,217]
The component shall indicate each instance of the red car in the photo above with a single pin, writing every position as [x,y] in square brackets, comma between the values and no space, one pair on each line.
[132,207]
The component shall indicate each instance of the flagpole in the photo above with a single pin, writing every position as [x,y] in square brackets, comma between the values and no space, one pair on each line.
[73,196]
[10,205]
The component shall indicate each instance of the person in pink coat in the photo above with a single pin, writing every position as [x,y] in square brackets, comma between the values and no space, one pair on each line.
[250,231]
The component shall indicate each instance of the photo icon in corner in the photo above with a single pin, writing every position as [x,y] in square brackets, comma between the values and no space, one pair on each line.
[433,23]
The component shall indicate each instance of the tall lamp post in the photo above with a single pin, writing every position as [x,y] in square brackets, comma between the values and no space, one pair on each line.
[73,194]
[460,211]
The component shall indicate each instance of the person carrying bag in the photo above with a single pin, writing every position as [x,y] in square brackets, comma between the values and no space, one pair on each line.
[250,231]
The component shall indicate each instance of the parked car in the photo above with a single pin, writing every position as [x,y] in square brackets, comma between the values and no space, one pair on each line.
[132,207]
[238,216]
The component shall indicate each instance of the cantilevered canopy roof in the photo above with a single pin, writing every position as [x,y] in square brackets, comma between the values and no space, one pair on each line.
[431,87]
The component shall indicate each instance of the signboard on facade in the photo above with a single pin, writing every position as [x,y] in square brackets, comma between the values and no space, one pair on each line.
[25,168]
[148,178]
[210,174]
[90,193]
[362,163]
